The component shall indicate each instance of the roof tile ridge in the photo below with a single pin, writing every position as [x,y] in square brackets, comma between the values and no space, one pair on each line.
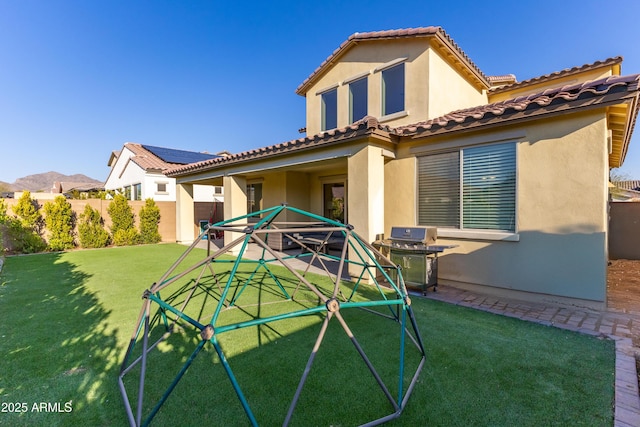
[367,123]
[568,92]
[389,34]
[557,74]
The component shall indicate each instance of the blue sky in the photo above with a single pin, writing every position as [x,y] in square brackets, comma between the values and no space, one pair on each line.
[80,78]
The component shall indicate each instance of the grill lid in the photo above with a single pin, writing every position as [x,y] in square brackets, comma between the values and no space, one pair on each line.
[414,234]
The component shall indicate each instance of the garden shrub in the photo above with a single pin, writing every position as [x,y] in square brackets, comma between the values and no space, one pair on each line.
[91,231]
[17,239]
[149,220]
[126,237]
[21,234]
[28,212]
[122,222]
[60,222]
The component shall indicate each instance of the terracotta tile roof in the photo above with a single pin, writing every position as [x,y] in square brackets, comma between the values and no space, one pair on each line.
[359,128]
[499,111]
[504,79]
[387,35]
[145,159]
[610,89]
[628,185]
[159,158]
[558,74]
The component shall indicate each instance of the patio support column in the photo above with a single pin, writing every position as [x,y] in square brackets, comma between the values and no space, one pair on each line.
[235,204]
[365,192]
[184,213]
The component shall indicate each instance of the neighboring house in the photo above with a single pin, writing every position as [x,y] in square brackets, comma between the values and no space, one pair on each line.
[139,172]
[80,188]
[625,191]
[404,129]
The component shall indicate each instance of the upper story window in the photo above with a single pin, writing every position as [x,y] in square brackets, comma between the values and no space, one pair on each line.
[329,109]
[358,99]
[137,191]
[480,195]
[393,89]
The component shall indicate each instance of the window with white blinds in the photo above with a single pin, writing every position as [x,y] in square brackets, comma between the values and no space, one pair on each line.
[480,195]
[439,190]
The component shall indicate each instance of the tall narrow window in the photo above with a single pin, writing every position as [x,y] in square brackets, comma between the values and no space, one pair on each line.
[334,201]
[393,90]
[330,109]
[137,192]
[358,100]
[254,198]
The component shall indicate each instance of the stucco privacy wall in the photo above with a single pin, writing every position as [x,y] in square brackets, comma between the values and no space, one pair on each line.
[561,212]
[166,227]
[624,230]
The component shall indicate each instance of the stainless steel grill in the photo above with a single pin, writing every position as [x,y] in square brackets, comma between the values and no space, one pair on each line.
[414,249]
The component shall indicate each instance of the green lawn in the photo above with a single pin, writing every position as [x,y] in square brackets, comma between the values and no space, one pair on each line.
[67,318]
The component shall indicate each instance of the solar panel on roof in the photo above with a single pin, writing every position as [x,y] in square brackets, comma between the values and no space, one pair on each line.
[181,157]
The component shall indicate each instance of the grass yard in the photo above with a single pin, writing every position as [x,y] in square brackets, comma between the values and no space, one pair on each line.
[67,318]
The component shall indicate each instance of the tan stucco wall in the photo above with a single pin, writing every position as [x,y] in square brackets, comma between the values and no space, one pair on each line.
[235,204]
[561,214]
[432,86]
[400,193]
[447,89]
[288,187]
[365,195]
[185,229]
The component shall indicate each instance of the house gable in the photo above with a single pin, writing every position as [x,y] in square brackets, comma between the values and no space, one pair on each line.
[435,77]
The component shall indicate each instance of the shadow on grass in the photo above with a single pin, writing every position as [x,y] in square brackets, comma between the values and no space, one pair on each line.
[268,360]
[59,354]
[63,334]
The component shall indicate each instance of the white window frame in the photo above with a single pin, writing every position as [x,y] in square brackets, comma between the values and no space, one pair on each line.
[166,186]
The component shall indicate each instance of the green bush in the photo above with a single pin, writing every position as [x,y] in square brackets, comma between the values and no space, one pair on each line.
[21,235]
[60,222]
[149,220]
[17,239]
[122,222]
[124,237]
[91,229]
[28,212]
[3,211]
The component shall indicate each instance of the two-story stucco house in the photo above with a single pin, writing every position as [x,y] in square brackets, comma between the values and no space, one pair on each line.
[139,172]
[404,129]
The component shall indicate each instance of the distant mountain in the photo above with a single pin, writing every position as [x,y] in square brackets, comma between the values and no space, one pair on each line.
[44,181]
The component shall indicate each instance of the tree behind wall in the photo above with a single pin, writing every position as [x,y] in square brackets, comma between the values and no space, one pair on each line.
[123,229]
[60,221]
[91,229]
[21,234]
[149,220]
[28,212]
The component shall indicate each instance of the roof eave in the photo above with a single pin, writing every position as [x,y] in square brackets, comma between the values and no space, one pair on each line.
[521,116]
